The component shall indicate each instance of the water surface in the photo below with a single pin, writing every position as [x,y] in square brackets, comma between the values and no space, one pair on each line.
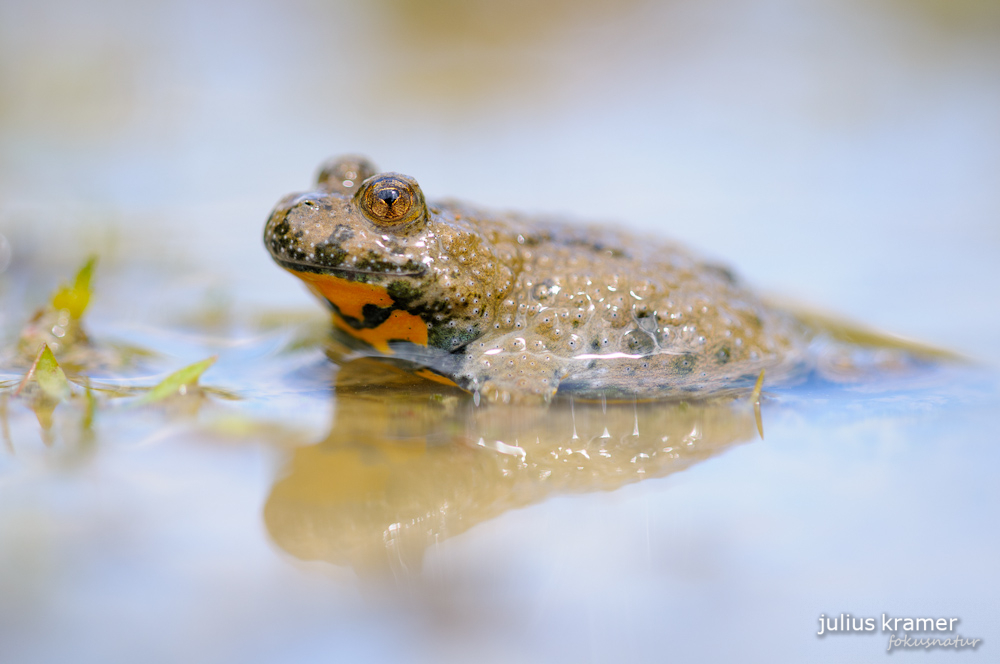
[840,153]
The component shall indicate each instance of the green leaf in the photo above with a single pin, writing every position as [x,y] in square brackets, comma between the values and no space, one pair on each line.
[75,298]
[88,415]
[49,375]
[178,382]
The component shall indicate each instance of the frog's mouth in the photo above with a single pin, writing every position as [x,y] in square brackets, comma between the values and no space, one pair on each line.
[345,271]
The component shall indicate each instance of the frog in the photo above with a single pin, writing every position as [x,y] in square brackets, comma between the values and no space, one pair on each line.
[517,308]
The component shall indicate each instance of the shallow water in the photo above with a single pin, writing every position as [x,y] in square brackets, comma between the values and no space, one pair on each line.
[837,153]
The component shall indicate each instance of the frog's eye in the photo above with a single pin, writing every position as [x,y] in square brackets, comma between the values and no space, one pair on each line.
[344,174]
[391,199]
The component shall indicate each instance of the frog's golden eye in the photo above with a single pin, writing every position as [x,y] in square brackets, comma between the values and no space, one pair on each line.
[391,199]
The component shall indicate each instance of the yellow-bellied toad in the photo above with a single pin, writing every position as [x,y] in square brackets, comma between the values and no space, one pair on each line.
[516,307]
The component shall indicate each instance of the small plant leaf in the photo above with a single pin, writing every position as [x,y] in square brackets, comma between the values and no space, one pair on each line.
[178,382]
[75,298]
[50,377]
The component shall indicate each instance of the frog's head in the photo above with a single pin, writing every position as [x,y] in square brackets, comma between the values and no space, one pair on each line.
[391,268]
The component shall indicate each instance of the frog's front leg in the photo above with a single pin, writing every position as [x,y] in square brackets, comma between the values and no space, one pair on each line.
[509,371]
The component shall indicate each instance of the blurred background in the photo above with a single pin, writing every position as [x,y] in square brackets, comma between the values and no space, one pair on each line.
[844,153]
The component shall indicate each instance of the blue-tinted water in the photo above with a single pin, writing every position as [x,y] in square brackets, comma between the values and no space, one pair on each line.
[837,153]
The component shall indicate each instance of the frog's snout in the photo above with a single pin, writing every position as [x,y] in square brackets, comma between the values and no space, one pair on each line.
[301,230]
[285,236]
[277,236]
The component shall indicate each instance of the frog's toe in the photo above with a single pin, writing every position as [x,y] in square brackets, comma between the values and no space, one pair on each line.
[516,376]
[519,390]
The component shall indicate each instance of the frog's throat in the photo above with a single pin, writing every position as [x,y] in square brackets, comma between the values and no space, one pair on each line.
[350,298]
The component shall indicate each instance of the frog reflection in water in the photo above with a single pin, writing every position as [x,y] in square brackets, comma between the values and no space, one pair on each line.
[409,463]
[516,308]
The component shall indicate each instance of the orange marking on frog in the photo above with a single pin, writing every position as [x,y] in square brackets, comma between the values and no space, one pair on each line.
[349,296]
[436,377]
[399,326]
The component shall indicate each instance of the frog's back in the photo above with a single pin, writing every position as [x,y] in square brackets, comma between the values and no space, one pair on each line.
[625,315]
